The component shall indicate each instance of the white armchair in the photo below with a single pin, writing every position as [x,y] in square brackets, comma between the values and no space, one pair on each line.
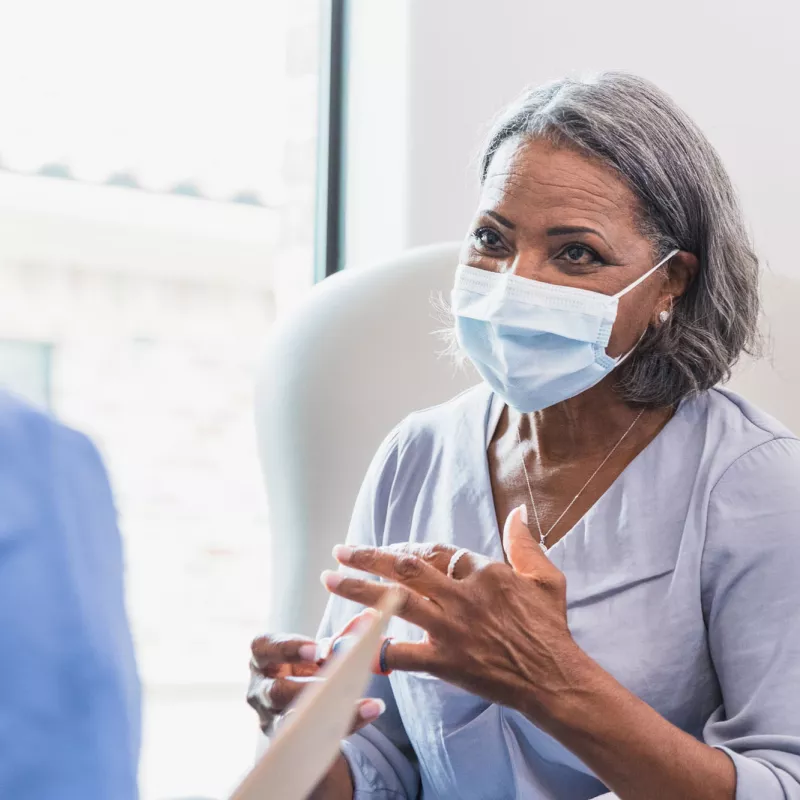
[337,376]
[352,362]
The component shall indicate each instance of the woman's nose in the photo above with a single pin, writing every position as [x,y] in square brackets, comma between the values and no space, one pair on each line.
[526,265]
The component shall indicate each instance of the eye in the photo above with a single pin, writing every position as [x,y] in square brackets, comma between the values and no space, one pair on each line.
[488,238]
[579,255]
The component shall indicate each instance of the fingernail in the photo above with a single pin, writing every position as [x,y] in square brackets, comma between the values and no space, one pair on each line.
[523,514]
[307,652]
[323,648]
[342,644]
[342,553]
[371,709]
[330,579]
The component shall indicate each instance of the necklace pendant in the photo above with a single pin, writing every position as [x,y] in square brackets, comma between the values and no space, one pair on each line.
[543,546]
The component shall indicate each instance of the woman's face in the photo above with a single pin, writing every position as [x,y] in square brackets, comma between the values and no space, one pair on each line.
[553,215]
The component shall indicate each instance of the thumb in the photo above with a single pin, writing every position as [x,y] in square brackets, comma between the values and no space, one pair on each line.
[355,623]
[342,639]
[522,550]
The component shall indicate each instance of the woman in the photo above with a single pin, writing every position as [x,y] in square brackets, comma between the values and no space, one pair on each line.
[635,628]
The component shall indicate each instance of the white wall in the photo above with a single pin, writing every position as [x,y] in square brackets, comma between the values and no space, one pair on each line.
[377,170]
[452,64]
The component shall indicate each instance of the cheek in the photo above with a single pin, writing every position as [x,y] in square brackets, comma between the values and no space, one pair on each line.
[633,317]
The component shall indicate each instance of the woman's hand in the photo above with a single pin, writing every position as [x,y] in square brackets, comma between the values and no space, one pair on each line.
[283,665]
[280,668]
[496,630]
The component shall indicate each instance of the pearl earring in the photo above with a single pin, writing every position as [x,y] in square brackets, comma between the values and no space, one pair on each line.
[663,316]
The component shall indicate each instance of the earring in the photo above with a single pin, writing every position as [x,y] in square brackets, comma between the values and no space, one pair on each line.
[663,316]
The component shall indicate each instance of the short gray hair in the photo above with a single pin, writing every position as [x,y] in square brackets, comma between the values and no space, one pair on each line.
[687,202]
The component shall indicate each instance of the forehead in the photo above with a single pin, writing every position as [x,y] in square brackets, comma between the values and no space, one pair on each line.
[538,182]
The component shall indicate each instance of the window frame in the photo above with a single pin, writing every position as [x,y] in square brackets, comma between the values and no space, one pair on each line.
[329,244]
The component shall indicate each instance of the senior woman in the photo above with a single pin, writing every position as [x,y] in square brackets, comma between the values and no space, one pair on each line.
[599,551]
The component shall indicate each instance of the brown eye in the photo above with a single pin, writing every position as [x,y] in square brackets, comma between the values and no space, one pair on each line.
[489,238]
[579,254]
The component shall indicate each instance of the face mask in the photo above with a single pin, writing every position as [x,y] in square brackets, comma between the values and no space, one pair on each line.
[535,344]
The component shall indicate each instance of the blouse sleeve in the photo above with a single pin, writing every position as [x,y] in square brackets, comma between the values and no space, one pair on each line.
[380,756]
[751,603]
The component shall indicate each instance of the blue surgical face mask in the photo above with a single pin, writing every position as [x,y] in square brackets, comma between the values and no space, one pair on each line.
[535,344]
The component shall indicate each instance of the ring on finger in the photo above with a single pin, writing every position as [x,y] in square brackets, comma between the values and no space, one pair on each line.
[382,665]
[451,567]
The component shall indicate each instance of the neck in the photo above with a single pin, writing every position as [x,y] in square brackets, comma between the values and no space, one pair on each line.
[587,425]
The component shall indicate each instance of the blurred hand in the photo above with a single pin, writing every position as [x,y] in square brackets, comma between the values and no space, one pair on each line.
[282,665]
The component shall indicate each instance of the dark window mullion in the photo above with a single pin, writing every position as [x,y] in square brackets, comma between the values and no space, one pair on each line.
[329,240]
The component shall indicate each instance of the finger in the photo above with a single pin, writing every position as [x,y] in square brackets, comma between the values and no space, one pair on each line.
[413,607]
[273,650]
[281,720]
[277,695]
[522,550]
[400,566]
[367,711]
[356,621]
[256,699]
[440,556]
[436,554]
[412,657]
[329,645]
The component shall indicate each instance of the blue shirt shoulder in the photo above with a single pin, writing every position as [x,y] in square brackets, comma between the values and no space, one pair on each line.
[69,692]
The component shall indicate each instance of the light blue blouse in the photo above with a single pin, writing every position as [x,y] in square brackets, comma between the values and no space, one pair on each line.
[683,581]
[69,693]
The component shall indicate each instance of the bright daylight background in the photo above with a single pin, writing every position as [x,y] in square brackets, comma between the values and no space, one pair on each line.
[156,213]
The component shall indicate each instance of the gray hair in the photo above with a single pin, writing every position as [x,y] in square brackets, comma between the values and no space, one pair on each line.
[687,202]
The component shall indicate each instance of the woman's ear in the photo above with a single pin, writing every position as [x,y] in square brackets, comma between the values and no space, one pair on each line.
[683,267]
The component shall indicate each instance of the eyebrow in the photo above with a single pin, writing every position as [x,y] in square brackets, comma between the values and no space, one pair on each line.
[502,220]
[564,230]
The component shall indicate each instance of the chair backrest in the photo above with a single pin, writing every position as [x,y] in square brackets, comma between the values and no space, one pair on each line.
[357,357]
[352,362]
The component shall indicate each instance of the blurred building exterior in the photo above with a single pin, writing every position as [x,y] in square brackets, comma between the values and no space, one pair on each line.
[138,316]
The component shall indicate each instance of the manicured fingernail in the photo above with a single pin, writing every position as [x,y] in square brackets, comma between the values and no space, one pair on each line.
[307,652]
[523,514]
[330,579]
[371,709]
[342,553]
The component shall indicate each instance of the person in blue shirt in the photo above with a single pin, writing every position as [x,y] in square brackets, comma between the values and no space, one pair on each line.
[69,690]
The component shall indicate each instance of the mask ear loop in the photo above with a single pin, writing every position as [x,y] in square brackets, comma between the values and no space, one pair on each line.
[627,289]
[624,357]
[646,275]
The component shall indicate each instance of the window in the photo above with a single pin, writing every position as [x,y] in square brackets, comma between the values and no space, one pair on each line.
[25,370]
[157,192]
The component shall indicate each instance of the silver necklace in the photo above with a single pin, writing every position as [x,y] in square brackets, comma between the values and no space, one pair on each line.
[543,536]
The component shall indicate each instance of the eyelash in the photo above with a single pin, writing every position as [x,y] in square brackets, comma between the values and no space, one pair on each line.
[476,235]
[595,258]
